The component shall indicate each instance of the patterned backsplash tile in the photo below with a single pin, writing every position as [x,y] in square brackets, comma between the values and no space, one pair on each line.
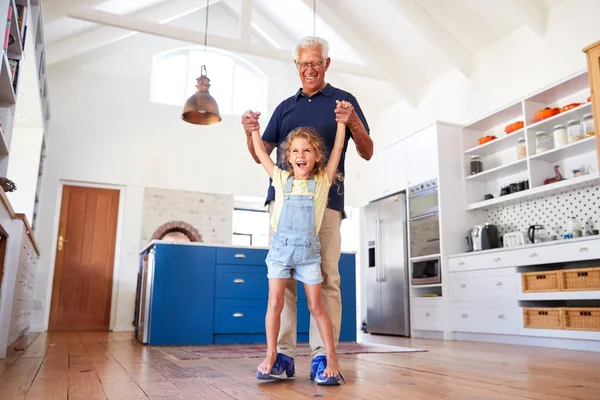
[553,212]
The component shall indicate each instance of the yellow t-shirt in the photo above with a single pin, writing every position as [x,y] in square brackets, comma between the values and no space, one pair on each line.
[299,187]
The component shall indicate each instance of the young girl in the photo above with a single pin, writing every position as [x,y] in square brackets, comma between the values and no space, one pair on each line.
[301,189]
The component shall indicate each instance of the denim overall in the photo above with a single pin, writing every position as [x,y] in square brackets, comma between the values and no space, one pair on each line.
[296,244]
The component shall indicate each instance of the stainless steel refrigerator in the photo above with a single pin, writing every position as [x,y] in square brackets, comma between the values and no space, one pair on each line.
[388,309]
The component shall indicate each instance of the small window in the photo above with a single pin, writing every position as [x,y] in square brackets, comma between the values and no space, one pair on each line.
[250,228]
[235,84]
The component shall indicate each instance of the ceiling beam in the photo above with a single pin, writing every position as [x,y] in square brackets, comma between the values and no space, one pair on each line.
[95,38]
[376,60]
[191,36]
[439,37]
[246,21]
[262,26]
[533,14]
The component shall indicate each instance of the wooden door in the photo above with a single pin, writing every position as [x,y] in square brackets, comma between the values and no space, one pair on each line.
[593,58]
[83,273]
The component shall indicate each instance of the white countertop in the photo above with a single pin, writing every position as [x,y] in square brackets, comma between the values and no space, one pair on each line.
[528,246]
[153,242]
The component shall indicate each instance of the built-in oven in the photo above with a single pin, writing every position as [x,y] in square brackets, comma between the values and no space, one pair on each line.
[425,271]
[423,199]
[424,222]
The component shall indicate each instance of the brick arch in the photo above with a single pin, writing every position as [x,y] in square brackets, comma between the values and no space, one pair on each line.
[177,226]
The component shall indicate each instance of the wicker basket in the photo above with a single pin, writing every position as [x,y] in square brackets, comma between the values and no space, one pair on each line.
[548,281]
[581,319]
[580,279]
[542,318]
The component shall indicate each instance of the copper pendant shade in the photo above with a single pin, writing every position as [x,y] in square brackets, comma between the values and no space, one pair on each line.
[201,108]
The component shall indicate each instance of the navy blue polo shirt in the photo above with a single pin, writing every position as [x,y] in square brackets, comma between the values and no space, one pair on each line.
[317,112]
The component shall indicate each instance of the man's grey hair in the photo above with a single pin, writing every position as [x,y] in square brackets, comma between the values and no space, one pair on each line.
[312,41]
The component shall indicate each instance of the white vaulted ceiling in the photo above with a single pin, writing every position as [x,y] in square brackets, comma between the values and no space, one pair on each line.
[408,43]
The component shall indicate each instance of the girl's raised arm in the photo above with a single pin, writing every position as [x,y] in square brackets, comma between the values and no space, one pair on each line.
[261,153]
[336,152]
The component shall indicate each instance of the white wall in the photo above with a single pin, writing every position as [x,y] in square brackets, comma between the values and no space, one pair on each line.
[23,168]
[104,130]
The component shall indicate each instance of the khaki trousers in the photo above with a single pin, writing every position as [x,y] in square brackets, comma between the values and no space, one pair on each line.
[331,244]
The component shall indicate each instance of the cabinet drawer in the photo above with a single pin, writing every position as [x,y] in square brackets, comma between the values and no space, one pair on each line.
[241,256]
[248,316]
[427,315]
[241,282]
[560,252]
[466,318]
[482,261]
[486,286]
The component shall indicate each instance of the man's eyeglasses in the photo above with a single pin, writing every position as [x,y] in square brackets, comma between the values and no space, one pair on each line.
[315,65]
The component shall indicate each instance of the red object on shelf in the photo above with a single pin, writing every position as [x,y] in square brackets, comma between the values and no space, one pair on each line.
[557,178]
[546,113]
[514,127]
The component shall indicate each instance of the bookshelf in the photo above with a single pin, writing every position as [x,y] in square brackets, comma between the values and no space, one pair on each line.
[577,161]
[24,103]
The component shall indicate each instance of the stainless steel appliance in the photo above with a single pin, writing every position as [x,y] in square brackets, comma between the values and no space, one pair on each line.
[426,271]
[387,274]
[145,294]
[423,199]
[424,221]
[485,237]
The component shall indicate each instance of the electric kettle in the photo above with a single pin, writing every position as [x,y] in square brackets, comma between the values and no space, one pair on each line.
[536,233]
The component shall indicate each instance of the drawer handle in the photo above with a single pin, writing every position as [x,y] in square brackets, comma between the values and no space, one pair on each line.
[465,315]
[238,280]
[461,263]
[497,259]
[240,255]
[463,285]
[238,314]
[501,316]
[427,314]
[583,249]
[533,255]
[498,283]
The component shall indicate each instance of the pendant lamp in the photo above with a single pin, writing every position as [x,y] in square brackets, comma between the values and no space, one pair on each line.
[201,108]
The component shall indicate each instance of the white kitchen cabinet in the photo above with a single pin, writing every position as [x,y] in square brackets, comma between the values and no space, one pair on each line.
[388,175]
[421,156]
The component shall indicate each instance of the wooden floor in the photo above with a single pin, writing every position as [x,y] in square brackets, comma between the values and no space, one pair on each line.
[91,365]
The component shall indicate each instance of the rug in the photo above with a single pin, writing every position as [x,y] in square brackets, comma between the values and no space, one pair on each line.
[222,351]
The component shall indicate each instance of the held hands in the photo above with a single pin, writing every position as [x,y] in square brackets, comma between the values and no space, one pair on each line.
[344,111]
[250,122]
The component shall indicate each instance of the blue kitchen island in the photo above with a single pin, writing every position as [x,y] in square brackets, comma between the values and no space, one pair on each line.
[196,294]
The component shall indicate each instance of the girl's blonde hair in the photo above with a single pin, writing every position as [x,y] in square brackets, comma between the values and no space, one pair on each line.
[316,141]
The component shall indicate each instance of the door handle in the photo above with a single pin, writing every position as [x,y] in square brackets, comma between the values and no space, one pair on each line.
[377,250]
[238,314]
[61,242]
[238,280]
[381,250]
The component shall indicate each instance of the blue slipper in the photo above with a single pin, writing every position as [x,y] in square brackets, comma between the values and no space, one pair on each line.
[283,365]
[317,367]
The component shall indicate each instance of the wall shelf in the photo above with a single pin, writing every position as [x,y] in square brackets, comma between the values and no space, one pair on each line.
[500,144]
[534,192]
[571,150]
[501,171]
[561,119]
[7,93]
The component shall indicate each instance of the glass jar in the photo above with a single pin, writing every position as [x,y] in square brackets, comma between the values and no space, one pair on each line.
[521,149]
[588,125]
[542,143]
[574,130]
[476,164]
[560,136]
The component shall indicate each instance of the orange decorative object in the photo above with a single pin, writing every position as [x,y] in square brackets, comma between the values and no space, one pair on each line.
[486,139]
[546,113]
[514,127]
[590,99]
[569,106]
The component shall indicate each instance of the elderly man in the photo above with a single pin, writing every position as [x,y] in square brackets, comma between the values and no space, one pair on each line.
[315,104]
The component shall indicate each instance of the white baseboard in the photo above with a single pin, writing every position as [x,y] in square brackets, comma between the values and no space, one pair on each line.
[569,344]
[123,328]
[37,328]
